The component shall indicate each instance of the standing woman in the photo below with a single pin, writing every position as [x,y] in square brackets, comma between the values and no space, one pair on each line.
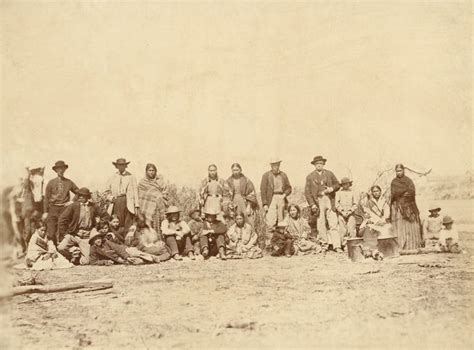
[242,194]
[405,216]
[153,197]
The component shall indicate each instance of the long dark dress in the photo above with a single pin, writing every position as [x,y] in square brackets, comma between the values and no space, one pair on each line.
[405,215]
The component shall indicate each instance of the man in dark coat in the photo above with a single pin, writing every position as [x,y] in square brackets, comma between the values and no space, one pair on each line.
[320,192]
[75,224]
[274,189]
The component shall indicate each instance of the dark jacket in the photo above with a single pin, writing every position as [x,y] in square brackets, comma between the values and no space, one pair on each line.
[69,220]
[108,251]
[316,184]
[266,187]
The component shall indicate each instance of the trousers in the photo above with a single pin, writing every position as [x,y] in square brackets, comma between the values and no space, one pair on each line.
[182,246]
[52,221]
[328,218]
[69,242]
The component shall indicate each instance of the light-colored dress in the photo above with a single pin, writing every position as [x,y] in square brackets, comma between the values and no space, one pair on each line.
[378,211]
[299,229]
[38,255]
[243,242]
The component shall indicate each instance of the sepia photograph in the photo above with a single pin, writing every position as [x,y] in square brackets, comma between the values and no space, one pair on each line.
[236,174]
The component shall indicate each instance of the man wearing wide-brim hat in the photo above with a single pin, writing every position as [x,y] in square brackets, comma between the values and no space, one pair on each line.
[275,187]
[56,198]
[320,190]
[212,239]
[122,193]
[76,224]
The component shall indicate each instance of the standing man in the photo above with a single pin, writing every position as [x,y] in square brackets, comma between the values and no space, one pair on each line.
[122,193]
[320,192]
[214,193]
[56,198]
[274,188]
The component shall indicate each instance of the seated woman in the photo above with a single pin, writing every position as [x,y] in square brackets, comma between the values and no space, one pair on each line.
[118,232]
[299,229]
[146,240]
[377,214]
[242,240]
[213,236]
[177,234]
[41,253]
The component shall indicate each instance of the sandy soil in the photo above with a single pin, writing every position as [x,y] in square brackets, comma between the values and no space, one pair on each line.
[272,302]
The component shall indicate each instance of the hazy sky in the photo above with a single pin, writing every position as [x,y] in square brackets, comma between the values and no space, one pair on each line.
[365,84]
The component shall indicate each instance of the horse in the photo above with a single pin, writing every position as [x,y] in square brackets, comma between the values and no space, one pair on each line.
[22,204]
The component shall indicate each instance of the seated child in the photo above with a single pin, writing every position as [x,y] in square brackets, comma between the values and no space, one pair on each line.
[242,240]
[432,227]
[195,225]
[177,234]
[41,253]
[449,237]
[282,241]
[213,237]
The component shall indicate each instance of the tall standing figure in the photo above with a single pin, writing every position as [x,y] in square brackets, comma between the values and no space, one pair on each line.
[274,189]
[214,193]
[404,215]
[320,192]
[122,193]
[56,198]
[153,196]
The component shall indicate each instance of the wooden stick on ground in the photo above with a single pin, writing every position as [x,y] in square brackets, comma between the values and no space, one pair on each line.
[62,287]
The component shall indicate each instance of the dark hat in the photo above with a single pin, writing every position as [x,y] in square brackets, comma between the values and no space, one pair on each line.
[194,211]
[84,191]
[319,159]
[346,180]
[60,164]
[121,161]
[434,207]
[94,235]
[447,220]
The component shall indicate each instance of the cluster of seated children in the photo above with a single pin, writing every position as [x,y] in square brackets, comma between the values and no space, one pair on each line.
[201,239]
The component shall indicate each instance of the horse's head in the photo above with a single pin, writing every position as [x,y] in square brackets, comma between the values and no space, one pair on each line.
[36,182]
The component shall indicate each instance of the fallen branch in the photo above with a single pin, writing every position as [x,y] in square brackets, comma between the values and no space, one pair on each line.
[62,287]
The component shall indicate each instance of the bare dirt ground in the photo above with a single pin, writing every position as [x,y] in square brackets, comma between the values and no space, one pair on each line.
[422,301]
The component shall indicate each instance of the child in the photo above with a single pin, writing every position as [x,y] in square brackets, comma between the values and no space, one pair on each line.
[105,252]
[195,225]
[177,234]
[213,236]
[345,207]
[449,237]
[41,253]
[118,232]
[282,241]
[432,227]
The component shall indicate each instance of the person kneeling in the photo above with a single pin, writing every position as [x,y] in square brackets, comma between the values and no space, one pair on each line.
[177,234]
[213,236]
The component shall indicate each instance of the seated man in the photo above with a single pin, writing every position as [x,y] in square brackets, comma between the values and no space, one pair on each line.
[75,225]
[432,227]
[213,236]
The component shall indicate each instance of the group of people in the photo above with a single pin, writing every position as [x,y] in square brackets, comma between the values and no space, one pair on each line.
[139,224]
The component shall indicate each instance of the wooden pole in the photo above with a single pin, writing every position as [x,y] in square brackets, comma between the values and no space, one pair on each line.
[62,287]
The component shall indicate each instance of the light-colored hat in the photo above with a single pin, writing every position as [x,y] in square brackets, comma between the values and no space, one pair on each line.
[447,220]
[275,160]
[211,212]
[95,234]
[172,210]
[282,223]
[346,180]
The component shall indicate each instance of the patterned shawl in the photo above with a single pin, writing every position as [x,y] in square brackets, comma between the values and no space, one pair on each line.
[153,195]
[247,189]
[298,228]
